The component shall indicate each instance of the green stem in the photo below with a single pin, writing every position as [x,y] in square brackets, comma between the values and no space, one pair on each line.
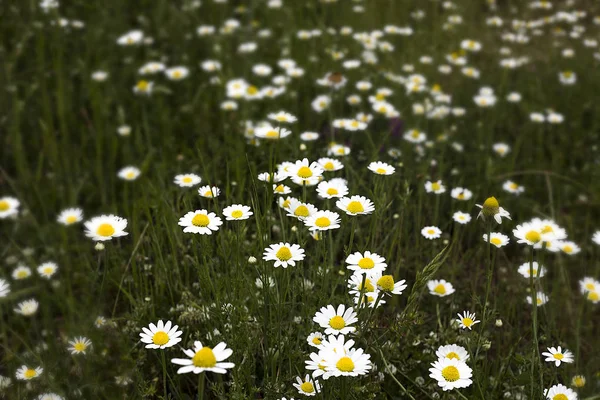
[164,368]
[201,386]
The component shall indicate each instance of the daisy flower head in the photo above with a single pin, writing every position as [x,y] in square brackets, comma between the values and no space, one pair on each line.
[27,308]
[387,285]
[130,38]
[345,360]
[300,210]
[366,262]
[336,321]
[315,339]
[282,117]
[596,237]
[560,392]
[47,269]
[415,136]
[330,164]
[491,208]
[187,180]
[435,187]
[9,206]
[497,239]
[461,217]
[309,136]
[50,396]
[237,212]
[105,227]
[274,177]
[177,73]
[381,168]
[203,358]
[528,233]
[209,192]
[355,205]
[440,287]
[284,254]
[201,222]
[533,269]
[306,387]
[281,189]
[4,288]
[79,345]
[467,320]
[271,133]
[431,232]
[452,351]
[569,248]
[161,335]
[70,216]
[334,188]
[502,149]
[578,381]
[557,355]
[21,272]
[25,373]
[512,187]
[540,299]
[323,221]
[460,193]
[129,173]
[305,173]
[143,87]
[451,373]
[589,284]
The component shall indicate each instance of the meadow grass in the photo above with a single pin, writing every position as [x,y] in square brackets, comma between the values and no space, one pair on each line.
[67,131]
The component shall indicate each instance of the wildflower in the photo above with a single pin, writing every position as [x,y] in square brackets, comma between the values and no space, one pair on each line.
[460,193]
[334,188]
[284,254]
[387,285]
[200,221]
[281,189]
[177,73]
[21,272]
[282,116]
[79,345]
[415,136]
[451,373]
[366,262]
[237,212]
[24,373]
[355,205]
[202,358]
[381,168]
[4,288]
[70,216]
[187,180]
[336,321]
[578,381]
[306,387]
[105,227]
[330,164]
[161,335]
[467,320]
[49,396]
[323,221]
[431,232]
[342,362]
[558,356]
[315,339]
[512,187]
[569,248]
[534,269]
[440,288]
[271,133]
[461,217]
[300,210]
[560,392]
[143,87]
[9,206]
[302,172]
[540,299]
[209,192]
[497,239]
[130,38]
[491,208]
[528,233]
[452,351]
[47,269]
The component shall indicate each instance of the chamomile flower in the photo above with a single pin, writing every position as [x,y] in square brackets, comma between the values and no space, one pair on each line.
[460,193]
[336,321]
[440,288]
[355,205]
[187,180]
[467,320]
[70,216]
[143,87]
[557,355]
[282,117]
[560,392]
[578,381]
[50,396]
[21,272]
[512,187]
[161,335]
[589,284]
[502,149]
[306,387]
[596,237]
[27,308]
[366,262]
[79,345]
[203,358]
[315,339]
[452,351]
[451,373]
[131,38]
[569,247]
[323,221]
[497,239]
[300,210]
[435,187]
[209,192]
[201,222]
[4,288]
[381,168]
[105,227]
[9,206]
[47,269]
[540,299]
[271,133]
[431,232]
[237,212]
[533,269]
[415,136]
[281,189]
[284,254]
[334,188]
[305,173]
[177,73]
[461,217]
[129,173]
[528,233]
[491,208]
[25,373]
[330,164]
[343,360]
[386,284]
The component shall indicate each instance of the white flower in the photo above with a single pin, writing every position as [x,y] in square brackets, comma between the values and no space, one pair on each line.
[200,221]
[306,387]
[560,392]
[461,217]
[336,321]
[27,307]
[431,232]
[70,216]
[4,288]
[440,288]
[558,356]
[105,227]
[451,373]
[540,299]
[202,358]
[452,351]
[497,239]
[187,180]
[334,188]
[47,269]
[315,339]
[129,173]
[525,270]
[460,193]
[130,38]
[366,262]
[330,164]
[237,212]
[271,133]
[161,335]
[323,221]
[177,73]
[24,373]
[209,192]
[282,116]
[79,345]
[355,205]
[467,320]
[381,168]
[300,210]
[9,206]
[284,254]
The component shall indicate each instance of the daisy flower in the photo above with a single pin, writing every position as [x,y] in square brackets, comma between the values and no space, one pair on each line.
[161,335]
[129,173]
[21,272]
[330,164]
[271,133]
[431,232]
[284,254]
[323,221]
[315,339]
[512,187]
[316,364]
[200,221]
[70,216]
[558,356]
[187,180]
[387,285]
[9,206]
[596,237]
[237,212]
[209,192]
[143,87]
[300,210]
[47,269]
[366,262]
[491,208]
[336,321]
[452,351]
[79,345]
[525,269]
[528,233]
[27,308]
[202,358]
[282,116]
[130,38]
[435,187]
[540,299]
[177,73]
[306,387]
[467,320]
[459,193]
[353,362]
[497,239]
[415,136]
[578,381]
[49,396]
[461,217]
[274,177]
[105,227]
[4,288]
[502,149]
[281,189]
[381,168]
[24,373]
[440,287]
[589,284]
[335,188]
[451,373]
[355,205]
[560,392]
[569,248]
[302,172]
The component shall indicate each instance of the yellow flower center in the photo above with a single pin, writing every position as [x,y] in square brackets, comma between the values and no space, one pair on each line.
[579,381]
[380,96]
[435,186]
[284,253]
[208,193]
[280,189]
[237,214]
[79,346]
[355,207]
[252,90]
[200,220]
[332,191]
[452,355]
[386,283]
[345,364]
[560,396]
[440,288]
[430,231]
[71,219]
[204,358]
[22,274]
[513,186]
[354,124]
[187,179]
[533,236]
[467,322]
[337,322]
[48,270]
[366,263]
[539,301]
[368,286]
[491,206]
[177,74]
[329,166]
[316,340]
[272,134]
[305,172]
[130,175]
[4,205]
[415,134]
[322,222]
[307,387]
[589,286]
[547,229]
[593,296]
[160,338]
[559,356]
[142,86]
[30,373]
[301,211]
[381,171]
[105,230]
[451,373]
[567,249]
[496,241]
[285,204]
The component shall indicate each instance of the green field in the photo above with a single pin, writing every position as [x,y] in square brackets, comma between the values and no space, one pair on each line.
[306,188]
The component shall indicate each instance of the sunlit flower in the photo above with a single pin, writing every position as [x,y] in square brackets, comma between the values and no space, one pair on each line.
[381,168]
[161,335]
[491,208]
[460,193]
[452,351]
[25,373]
[209,192]
[461,217]
[526,270]
[440,287]
[366,262]
[323,221]
[451,373]
[105,227]
[284,254]
[201,222]
[557,355]
[70,216]
[336,321]
[497,239]
[306,387]
[79,345]
[27,308]
[540,299]
[9,206]
[202,358]
[431,232]
[47,269]
[334,188]
[355,205]
[187,180]
[129,173]
[467,320]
